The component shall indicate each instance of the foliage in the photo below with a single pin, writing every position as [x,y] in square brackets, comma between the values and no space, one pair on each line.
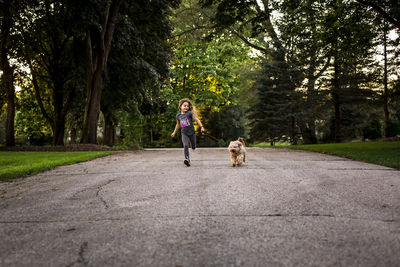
[387,9]
[29,121]
[19,164]
[209,71]
[273,114]
[226,124]
[139,61]
[373,130]
[51,52]
[263,69]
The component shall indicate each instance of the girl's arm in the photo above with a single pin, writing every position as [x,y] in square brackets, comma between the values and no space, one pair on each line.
[199,122]
[176,128]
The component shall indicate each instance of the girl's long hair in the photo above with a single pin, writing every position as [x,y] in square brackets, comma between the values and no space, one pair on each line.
[192,108]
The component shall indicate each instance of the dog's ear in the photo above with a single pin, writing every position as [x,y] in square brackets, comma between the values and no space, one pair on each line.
[240,139]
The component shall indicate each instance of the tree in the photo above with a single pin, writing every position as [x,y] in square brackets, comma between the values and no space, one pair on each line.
[386,19]
[293,39]
[301,25]
[138,63]
[350,41]
[98,44]
[29,121]
[50,52]
[312,36]
[388,9]
[207,70]
[385,80]
[8,13]
[273,115]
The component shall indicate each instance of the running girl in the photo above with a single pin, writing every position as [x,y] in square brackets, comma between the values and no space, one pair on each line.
[184,119]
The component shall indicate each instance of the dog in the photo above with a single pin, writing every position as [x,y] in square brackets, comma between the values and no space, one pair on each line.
[237,150]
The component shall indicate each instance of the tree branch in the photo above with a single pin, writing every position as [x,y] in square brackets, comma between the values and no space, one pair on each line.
[328,62]
[37,95]
[68,102]
[262,49]
[270,28]
[111,20]
[188,31]
[382,12]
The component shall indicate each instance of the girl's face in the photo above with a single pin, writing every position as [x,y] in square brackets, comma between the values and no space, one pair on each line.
[185,106]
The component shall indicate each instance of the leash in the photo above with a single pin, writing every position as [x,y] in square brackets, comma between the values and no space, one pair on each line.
[211,137]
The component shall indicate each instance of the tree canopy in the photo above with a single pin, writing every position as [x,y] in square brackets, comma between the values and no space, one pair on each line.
[112,71]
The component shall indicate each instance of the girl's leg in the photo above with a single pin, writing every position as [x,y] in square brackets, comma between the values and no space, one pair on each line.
[185,141]
[193,141]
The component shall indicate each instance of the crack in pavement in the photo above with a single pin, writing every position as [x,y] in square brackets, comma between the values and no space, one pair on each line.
[198,216]
[99,188]
[86,173]
[81,259]
[359,169]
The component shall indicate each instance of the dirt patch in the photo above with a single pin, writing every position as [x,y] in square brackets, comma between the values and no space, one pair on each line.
[68,148]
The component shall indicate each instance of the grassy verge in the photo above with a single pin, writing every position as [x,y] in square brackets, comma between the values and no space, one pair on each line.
[19,164]
[265,144]
[382,153]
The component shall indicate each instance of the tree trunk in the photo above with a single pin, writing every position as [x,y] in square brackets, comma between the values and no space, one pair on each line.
[385,82]
[313,136]
[73,135]
[96,65]
[89,134]
[336,101]
[59,120]
[60,108]
[309,123]
[10,95]
[306,132]
[109,129]
[8,73]
[293,132]
[58,133]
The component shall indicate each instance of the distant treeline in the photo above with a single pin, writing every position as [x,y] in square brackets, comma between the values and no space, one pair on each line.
[112,71]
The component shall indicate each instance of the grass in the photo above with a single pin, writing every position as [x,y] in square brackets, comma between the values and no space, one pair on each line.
[20,164]
[381,153]
[267,144]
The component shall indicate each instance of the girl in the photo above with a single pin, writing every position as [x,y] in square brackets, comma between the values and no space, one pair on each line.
[185,120]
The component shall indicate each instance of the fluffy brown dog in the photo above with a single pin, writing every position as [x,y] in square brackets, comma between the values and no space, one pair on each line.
[237,150]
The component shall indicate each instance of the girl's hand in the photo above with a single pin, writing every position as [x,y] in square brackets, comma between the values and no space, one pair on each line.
[202,129]
[173,134]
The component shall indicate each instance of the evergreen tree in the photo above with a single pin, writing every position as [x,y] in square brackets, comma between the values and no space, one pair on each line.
[350,42]
[273,115]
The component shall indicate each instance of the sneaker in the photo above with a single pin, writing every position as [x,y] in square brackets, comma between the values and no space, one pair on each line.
[187,162]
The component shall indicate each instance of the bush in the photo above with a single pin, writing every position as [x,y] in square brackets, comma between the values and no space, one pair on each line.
[394,128]
[373,130]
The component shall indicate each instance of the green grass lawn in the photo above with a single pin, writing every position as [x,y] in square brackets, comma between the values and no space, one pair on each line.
[382,153]
[267,144]
[19,164]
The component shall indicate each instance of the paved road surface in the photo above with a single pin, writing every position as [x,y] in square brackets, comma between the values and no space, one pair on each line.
[282,208]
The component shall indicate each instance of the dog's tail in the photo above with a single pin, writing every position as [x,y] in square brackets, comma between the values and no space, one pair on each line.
[240,139]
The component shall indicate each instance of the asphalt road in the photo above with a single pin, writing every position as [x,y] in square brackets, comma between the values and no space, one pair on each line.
[282,208]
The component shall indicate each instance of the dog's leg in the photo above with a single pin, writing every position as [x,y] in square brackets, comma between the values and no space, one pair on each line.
[239,160]
[233,160]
